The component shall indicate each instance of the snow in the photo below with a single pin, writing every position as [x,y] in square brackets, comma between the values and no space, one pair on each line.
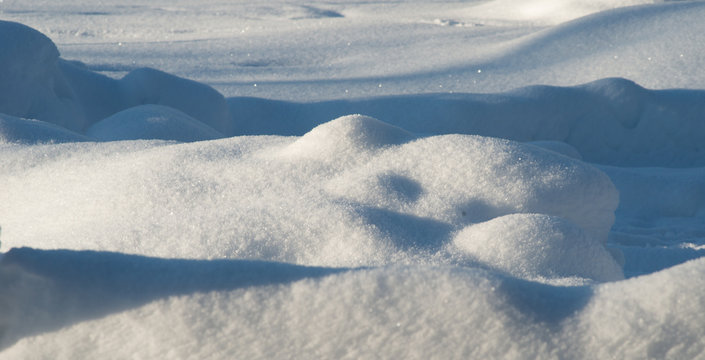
[216,309]
[547,11]
[352,179]
[16,130]
[534,246]
[151,122]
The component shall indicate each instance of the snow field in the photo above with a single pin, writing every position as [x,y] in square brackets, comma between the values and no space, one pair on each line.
[354,195]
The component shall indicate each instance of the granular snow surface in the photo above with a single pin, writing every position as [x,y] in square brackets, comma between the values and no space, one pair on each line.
[497,179]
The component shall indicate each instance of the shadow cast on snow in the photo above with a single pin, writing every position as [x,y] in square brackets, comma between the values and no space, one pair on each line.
[44,290]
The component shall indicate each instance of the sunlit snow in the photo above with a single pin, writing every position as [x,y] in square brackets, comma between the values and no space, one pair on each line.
[352,179]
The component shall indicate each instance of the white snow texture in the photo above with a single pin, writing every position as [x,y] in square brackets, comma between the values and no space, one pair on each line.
[352,179]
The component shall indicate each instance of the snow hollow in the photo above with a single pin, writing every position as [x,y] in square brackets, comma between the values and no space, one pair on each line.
[416,180]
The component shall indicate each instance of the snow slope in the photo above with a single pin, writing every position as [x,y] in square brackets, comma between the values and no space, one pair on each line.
[343,179]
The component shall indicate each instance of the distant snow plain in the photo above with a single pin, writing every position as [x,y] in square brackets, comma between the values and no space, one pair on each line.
[352,179]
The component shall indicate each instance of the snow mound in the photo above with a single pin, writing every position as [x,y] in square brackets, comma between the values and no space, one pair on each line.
[25,131]
[151,122]
[31,84]
[347,136]
[396,198]
[480,178]
[36,84]
[535,246]
[202,102]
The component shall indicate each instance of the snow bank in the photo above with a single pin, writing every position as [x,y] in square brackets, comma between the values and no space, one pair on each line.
[162,308]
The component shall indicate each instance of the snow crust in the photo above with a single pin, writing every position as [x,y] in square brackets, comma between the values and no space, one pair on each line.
[346,179]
